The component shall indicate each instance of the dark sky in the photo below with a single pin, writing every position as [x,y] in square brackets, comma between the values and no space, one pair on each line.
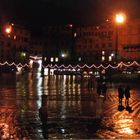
[37,13]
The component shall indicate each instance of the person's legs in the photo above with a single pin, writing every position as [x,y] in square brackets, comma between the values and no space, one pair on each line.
[120,101]
[127,102]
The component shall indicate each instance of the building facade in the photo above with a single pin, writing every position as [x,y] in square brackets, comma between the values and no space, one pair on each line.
[60,42]
[108,42]
[14,44]
[95,43]
[129,41]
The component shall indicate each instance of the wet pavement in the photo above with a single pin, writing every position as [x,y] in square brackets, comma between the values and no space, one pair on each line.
[70,110]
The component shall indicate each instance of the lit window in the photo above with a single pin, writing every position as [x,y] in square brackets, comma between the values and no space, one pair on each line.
[103,58]
[79,59]
[56,59]
[52,59]
[15,37]
[110,58]
[75,34]
[103,52]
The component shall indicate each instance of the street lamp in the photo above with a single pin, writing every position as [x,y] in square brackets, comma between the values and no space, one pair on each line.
[120,19]
[8,29]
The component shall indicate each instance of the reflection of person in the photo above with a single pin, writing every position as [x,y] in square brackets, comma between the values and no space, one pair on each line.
[44,117]
[43,114]
[120,94]
[127,95]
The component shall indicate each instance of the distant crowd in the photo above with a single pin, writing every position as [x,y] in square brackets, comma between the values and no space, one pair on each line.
[101,89]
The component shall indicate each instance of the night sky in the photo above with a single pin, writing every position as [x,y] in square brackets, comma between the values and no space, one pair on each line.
[37,13]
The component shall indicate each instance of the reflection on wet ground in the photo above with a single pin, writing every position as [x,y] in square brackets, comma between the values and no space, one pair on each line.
[67,109]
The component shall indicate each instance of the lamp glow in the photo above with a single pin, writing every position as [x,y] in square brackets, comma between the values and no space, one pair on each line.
[120,18]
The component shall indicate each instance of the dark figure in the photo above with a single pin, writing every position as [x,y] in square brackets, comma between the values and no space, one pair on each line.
[43,117]
[90,82]
[104,89]
[43,114]
[127,95]
[99,91]
[120,94]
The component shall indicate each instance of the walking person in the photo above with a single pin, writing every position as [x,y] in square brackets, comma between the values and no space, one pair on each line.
[127,95]
[120,94]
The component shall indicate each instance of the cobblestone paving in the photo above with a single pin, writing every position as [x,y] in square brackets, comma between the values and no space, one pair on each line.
[72,113]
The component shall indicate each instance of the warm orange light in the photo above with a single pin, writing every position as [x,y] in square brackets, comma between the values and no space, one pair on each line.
[120,18]
[8,29]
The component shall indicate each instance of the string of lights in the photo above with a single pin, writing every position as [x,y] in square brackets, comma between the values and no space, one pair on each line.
[14,64]
[121,64]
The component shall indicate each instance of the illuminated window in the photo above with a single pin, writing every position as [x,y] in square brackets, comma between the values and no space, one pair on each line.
[110,58]
[103,52]
[52,59]
[103,58]
[75,34]
[79,59]
[15,37]
[56,59]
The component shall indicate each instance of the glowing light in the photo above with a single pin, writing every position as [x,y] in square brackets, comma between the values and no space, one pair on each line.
[120,18]
[94,66]
[103,58]
[15,37]
[52,59]
[110,58]
[19,69]
[70,25]
[75,34]
[63,55]
[119,65]
[23,54]
[31,63]
[8,29]
[125,126]
[112,54]
[103,52]
[56,59]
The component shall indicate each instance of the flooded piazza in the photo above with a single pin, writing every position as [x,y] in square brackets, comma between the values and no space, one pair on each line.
[70,109]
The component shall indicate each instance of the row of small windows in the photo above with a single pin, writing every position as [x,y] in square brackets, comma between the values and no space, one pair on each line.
[99,34]
[96,27]
[103,45]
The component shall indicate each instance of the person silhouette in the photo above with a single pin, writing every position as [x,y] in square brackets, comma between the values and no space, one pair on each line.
[120,94]
[127,95]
